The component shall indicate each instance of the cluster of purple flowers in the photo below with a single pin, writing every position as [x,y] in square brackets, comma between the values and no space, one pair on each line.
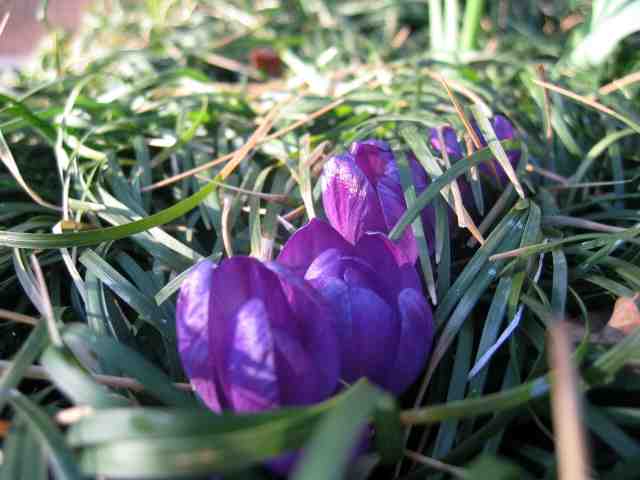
[340,302]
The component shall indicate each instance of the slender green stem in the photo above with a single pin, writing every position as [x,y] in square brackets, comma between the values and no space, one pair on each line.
[471,23]
[436,27]
[492,403]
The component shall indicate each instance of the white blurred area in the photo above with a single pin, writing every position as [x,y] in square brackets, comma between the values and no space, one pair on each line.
[24,30]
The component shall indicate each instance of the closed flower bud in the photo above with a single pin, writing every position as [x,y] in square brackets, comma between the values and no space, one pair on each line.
[383,322]
[362,193]
[504,131]
[254,337]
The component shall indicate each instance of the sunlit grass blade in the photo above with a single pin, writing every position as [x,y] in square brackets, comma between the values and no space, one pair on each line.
[61,458]
[99,235]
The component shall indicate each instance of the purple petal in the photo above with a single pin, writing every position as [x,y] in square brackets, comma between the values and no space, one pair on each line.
[246,296]
[376,160]
[252,377]
[308,242]
[393,207]
[367,331]
[504,131]
[192,319]
[415,340]
[317,337]
[454,151]
[387,256]
[503,127]
[350,200]
[354,269]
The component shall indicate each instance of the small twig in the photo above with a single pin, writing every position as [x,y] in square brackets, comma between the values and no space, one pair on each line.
[37,372]
[570,438]
[566,221]
[17,317]
[224,158]
[436,464]
[619,83]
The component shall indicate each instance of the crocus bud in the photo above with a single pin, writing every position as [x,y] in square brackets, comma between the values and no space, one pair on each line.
[504,131]
[362,193]
[254,336]
[384,323]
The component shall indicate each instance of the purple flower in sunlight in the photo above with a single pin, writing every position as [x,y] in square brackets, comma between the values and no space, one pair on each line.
[383,322]
[504,131]
[362,193]
[254,336]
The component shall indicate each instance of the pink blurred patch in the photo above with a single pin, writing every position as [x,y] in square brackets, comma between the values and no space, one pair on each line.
[23,31]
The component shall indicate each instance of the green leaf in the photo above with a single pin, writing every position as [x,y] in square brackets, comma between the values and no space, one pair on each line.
[29,351]
[48,435]
[99,235]
[76,383]
[116,355]
[457,169]
[330,449]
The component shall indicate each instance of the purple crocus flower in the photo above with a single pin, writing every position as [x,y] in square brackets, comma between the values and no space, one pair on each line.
[384,323]
[362,193]
[254,336]
[504,131]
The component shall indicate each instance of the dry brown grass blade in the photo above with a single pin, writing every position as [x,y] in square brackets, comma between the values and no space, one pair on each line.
[548,132]
[463,118]
[17,317]
[188,173]
[579,98]
[39,373]
[464,219]
[570,437]
[619,83]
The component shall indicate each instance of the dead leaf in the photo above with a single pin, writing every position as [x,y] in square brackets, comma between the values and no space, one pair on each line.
[626,315]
